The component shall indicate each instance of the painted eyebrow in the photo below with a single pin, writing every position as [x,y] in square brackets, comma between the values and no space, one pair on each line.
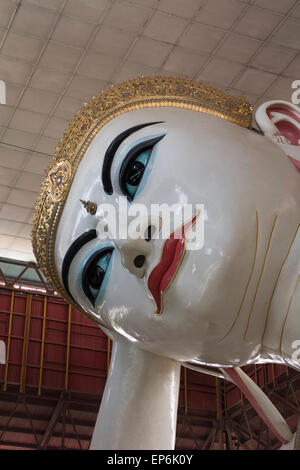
[72,251]
[111,151]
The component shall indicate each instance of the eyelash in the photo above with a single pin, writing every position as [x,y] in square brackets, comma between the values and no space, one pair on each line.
[134,165]
[94,273]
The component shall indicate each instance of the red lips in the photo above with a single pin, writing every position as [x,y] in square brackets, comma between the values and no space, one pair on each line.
[172,254]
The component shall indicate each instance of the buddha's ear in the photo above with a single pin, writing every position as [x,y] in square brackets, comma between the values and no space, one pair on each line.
[281,119]
[280,122]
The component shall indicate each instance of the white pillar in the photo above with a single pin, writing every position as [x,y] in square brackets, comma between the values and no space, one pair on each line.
[139,405]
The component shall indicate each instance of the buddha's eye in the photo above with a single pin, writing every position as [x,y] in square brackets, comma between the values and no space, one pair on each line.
[94,273]
[133,166]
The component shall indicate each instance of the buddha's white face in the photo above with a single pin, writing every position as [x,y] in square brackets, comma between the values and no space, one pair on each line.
[191,307]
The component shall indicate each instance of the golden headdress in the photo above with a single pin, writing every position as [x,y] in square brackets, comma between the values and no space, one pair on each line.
[118,99]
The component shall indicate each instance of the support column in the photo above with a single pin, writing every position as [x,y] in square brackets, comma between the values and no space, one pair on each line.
[139,404]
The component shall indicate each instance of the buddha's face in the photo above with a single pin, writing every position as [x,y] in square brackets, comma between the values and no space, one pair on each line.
[170,300]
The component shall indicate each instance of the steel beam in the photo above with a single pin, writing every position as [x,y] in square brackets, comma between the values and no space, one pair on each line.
[53,420]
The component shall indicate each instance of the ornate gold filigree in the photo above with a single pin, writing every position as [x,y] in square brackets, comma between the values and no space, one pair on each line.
[59,179]
[134,94]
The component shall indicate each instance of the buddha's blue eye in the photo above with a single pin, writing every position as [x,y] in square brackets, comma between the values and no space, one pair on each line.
[133,167]
[135,171]
[94,273]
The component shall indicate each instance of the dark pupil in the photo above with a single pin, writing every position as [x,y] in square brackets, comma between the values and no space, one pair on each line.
[134,173]
[95,277]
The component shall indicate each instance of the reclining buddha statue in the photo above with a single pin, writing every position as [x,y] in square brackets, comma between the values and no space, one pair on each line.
[166,296]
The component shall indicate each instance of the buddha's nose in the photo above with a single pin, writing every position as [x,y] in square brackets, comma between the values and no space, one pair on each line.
[135,246]
[134,255]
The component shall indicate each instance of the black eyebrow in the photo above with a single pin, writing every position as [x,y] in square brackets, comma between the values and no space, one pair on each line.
[72,250]
[111,151]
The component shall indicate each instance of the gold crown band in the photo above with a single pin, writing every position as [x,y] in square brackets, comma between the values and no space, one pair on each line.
[118,99]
